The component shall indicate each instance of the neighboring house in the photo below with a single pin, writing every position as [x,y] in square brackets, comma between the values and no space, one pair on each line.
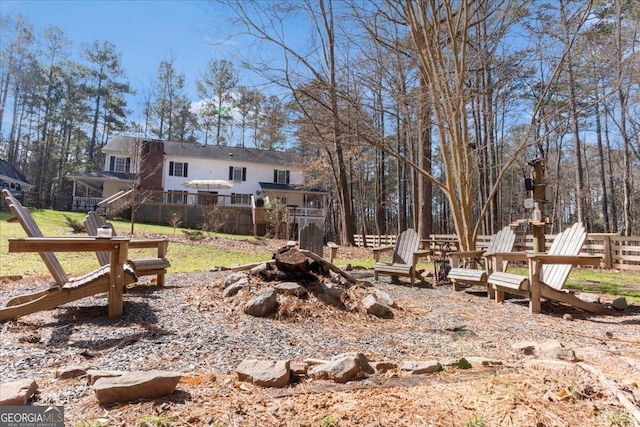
[13,180]
[174,173]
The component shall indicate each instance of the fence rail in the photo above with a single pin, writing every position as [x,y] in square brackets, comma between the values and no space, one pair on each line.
[618,252]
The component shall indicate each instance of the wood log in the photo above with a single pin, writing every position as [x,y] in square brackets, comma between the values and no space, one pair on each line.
[328,265]
[291,259]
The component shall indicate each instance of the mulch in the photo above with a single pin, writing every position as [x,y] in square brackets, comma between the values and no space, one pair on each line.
[187,326]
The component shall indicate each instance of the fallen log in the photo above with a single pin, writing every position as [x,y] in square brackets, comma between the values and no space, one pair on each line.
[330,266]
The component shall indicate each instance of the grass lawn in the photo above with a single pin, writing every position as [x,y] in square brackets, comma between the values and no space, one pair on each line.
[188,256]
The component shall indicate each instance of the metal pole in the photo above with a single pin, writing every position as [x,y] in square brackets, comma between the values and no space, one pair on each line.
[538,221]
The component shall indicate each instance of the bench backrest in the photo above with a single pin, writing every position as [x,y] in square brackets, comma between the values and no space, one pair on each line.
[568,242]
[31,228]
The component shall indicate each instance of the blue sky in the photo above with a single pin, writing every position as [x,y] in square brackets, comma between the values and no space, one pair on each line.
[145,32]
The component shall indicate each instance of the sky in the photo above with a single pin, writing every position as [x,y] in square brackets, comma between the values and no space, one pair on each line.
[145,32]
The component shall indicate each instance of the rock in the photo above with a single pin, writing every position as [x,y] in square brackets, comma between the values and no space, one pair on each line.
[234,278]
[263,303]
[525,347]
[360,358]
[340,370]
[136,385]
[17,392]
[292,288]
[421,367]
[332,290]
[567,316]
[265,373]
[474,360]
[298,369]
[72,372]
[554,349]
[385,298]
[234,288]
[95,375]
[589,297]
[620,304]
[377,308]
[460,363]
[383,367]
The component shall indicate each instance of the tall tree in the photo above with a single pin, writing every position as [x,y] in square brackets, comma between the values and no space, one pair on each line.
[169,94]
[215,88]
[104,69]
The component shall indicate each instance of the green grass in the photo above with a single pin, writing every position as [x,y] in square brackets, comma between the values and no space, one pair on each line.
[198,256]
[184,257]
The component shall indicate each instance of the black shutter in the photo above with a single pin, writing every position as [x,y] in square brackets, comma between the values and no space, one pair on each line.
[170,168]
[287,177]
[275,176]
[230,173]
[127,167]
[184,169]
[244,174]
[112,163]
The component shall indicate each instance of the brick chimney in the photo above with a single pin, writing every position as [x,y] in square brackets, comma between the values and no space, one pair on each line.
[151,164]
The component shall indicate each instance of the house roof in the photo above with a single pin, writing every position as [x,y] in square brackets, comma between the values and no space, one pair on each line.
[216,152]
[95,179]
[288,187]
[8,171]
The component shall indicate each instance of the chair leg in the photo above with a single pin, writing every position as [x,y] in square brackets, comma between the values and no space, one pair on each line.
[499,295]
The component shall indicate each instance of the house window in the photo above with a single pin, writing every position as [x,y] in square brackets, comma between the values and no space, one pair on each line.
[237,174]
[280,177]
[240,199]
[119,164]
[178,169]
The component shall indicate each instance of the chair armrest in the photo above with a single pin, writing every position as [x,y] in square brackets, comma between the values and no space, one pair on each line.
[66,244]
[161,244]
[379,250]
[465,254]
[575,260]
[508,256]
[423,253]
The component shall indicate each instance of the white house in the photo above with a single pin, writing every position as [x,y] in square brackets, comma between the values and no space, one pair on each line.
[178,173]
[13,180]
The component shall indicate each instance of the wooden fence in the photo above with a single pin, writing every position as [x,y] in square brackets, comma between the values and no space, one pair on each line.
[618,252]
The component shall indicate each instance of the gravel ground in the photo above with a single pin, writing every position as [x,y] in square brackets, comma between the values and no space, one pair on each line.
[187,326]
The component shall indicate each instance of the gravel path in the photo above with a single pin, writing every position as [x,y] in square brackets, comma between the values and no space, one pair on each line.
[187,326]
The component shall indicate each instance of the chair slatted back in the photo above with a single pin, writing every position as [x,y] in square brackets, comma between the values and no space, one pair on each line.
[31,228]
[502,242]
[92,222]
[568,242]
[408,242]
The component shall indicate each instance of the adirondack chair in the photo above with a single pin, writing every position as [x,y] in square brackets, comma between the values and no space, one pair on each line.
[547,272]
[406,254]
[110,278]
[462,262]
[143,267]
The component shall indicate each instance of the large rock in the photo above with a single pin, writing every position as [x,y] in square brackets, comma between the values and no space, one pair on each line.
[376,307]
[292,288]
[234,278]
[421,367]
[265,373]
[17,392]
[136,385]
[554,349]
[234,288]
[263,303]
[341,369]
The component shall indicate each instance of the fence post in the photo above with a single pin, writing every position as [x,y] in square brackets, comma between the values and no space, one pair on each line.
[607,252]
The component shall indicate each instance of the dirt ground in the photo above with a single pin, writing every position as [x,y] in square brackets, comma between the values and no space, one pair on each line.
[188,327]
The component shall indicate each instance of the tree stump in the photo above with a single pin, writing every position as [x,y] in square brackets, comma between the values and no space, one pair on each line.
[291,260]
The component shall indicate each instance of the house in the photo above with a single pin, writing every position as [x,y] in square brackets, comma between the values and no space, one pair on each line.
[13,180]
[171,174]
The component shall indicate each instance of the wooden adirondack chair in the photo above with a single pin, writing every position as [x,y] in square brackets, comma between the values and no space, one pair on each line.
[111,278]
[143,267]
[548,272]
[461,272]
[406,254]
